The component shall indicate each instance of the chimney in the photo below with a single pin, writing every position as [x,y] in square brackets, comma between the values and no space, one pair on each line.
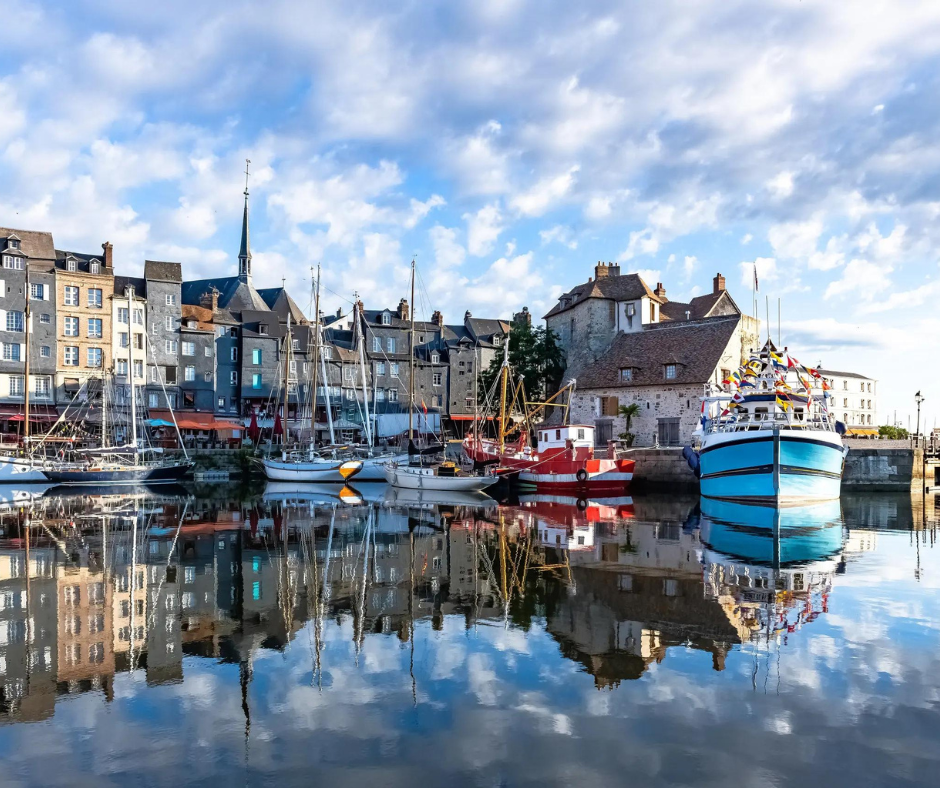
[660,291]
[339,311]
[600,270]
[719,285]
[210,300]
[108,254]
[466,316]
[438,319]
[525,316]
[613,270]
[403,309]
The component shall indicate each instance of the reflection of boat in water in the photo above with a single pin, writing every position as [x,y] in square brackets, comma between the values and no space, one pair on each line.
[570,508]
[771,535]
[12,495]
[316,494]
[407,496]
[138,491]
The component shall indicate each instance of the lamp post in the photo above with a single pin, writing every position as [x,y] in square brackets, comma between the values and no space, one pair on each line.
[918,398]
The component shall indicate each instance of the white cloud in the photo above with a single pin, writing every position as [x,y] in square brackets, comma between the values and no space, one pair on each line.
[689,265]
[559,234]
[641,242]
[781,185]
[480,165]
[544,194]
[597,208]
[652,276]
[483,228]
[861,278]
[746,239]
[448,253]
[795,240]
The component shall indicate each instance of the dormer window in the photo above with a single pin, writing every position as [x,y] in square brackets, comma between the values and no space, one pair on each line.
[190,324]
[435,358]
[71,265]
[263,329]
[386,319]
[14,243]
[626,374]
[327,353]
[670,371]
[94,267]
[497,340]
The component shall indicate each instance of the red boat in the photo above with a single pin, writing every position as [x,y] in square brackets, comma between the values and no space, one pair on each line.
[563,462]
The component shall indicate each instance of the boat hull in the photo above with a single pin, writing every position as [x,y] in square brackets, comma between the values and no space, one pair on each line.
[131,475]
[20,470]
[373,468]
[785,466]
[413,479]
[331,471]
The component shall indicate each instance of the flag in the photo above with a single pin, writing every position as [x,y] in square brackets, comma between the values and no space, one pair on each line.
[424,408]
[756,283]
[826,386]
[792,362]
[782,404]
[738,398]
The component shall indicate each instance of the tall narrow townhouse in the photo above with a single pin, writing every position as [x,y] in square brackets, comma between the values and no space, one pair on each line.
[164,317]
[84,289]
[128,338]
[26,255]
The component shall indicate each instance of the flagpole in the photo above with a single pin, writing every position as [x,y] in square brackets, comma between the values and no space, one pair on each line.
[768,317]
[779,330]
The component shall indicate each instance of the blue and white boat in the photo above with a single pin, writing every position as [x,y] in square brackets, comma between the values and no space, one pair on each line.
[763,440]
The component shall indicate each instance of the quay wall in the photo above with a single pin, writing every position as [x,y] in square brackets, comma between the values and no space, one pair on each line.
[659,469]
[234,461]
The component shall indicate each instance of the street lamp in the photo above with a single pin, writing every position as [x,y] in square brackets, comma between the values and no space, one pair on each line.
[918,399]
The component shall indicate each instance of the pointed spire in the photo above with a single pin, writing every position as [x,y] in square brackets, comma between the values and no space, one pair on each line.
[244,253]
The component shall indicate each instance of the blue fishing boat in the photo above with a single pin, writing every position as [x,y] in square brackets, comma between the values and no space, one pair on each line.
[768,436]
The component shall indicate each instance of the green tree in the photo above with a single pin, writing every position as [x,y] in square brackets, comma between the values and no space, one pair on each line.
[535,354]
[892,433]
[629,412]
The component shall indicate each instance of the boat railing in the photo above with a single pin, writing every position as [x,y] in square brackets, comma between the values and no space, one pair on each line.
[769,421]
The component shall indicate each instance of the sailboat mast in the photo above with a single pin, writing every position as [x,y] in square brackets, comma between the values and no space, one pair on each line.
[504,380]
[362,366]
[316,357]
[129,292]
[286,361]
[26,316]
[411,348]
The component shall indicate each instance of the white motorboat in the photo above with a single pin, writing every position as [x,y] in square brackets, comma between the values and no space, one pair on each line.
[296,467]
[446,476]
[373,468]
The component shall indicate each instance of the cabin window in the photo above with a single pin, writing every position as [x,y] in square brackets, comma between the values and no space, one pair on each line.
[580,434]
[760,413]
[798,414]
[557,435]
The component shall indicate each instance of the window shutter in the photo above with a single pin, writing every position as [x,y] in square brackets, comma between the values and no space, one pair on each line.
[3,288]
[3,319]
[22,351]
[597,406]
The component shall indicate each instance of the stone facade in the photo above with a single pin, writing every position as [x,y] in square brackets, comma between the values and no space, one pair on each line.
[164,314]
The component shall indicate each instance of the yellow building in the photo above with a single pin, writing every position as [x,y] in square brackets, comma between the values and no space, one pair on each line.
[84,287]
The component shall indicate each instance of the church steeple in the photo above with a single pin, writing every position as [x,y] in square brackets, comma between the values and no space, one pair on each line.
[244,253]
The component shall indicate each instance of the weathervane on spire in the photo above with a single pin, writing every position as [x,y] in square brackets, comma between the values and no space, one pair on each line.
[247,162]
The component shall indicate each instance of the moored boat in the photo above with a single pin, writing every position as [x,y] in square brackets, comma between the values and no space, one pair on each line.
[299,468]
[444,476]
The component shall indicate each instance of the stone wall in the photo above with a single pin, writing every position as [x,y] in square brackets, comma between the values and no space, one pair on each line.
[661,469]
[585,331]
[883,469]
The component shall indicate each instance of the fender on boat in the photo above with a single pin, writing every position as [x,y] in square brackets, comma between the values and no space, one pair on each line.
[692,458]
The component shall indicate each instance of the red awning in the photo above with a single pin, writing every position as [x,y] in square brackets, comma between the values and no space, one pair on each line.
[459,417]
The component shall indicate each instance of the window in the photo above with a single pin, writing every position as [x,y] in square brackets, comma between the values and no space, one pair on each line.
[189,348]
[293,368]
[94,357]
[670,371]
[138,317]
[208,377]
[16,385]
[138,341]
[263,329]
[121,366]
[169,375]
[256,380]
[233,378]
[94,267]
[138,369]
[123,314]
[171,299]
[123,339]
[863,387]
[234,354]
[626,374]
[189,399]
[256,356]
[394,369]
[376,344]
[327,353]
[71,265]
[221,403]
[386,319]
[380,368]
[171,346]
[435,358]
[45,351]
[71,326]
[168,323]
[45,319]
[438,378]
[153,400]
[70,357]
[37,292]
[390,344]
[609,406]
[94,327]
[207,351]
[71,296]
[349,373]
[94,297]
[380,395]
[15,321]
[11,351]
[189,374]
[11,261]
[393,395]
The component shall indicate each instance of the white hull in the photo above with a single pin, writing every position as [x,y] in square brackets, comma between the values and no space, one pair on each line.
[17,469]
[316,470]
[398,496]
[373,468]
[427,479]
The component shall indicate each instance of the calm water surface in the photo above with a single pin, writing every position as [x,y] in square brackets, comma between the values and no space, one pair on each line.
[277,638]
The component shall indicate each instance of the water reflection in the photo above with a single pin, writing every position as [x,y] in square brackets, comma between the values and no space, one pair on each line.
[96,584]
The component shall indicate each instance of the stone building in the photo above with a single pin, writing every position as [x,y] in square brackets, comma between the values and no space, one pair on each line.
[197,370]
[854,400]
[22,250]
[84,291]
[164,315]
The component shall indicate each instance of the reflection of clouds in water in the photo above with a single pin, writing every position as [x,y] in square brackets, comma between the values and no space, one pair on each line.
[482,679]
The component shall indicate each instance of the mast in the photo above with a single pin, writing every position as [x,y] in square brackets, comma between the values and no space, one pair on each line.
[503,382]
[316,358]
[286,361]
[129,292]
[362,366]
[26,317]
[411,374]
[326,397]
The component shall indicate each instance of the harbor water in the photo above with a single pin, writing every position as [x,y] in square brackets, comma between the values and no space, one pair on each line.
[369,637]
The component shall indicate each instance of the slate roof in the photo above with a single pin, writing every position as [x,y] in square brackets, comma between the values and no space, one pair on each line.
[139,285]
[83,261]
[280,301]
[483,329]
[627,287]
[36,245]
[163,272]
[695,348]
[234,295]
[709,305]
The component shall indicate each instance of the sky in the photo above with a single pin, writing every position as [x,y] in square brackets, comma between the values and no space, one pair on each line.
[507,146]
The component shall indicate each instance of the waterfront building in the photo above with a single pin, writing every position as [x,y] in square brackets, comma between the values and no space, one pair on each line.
[854,400]
[84,286]
[164,316]
[22,250]
[128,337]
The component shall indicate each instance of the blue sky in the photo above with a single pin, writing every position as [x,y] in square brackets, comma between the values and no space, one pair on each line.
[509,145]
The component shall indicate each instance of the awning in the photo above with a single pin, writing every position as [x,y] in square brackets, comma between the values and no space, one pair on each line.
[460,417]
[159,423]
[194,424]
[862,431]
